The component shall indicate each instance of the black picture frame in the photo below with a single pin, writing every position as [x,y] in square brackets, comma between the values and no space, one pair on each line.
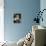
[17,18]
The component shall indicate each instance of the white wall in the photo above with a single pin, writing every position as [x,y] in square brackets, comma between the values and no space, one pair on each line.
[1,20]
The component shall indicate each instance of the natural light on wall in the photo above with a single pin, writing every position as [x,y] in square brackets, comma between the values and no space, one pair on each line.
[1,20]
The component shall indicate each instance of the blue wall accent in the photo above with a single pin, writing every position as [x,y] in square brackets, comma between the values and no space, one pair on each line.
[13,32]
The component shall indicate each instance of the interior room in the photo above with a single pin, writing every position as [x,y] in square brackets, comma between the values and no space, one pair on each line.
[22,22]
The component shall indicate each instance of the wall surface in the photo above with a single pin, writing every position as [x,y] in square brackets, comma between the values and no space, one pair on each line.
[13,32]
[1,20]
[43,6]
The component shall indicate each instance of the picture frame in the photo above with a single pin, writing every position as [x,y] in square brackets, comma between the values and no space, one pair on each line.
[17,18]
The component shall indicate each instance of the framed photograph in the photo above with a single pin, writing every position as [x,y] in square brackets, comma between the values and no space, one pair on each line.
[17,18]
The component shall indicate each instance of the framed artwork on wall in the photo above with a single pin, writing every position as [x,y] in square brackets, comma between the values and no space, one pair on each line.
[17,18]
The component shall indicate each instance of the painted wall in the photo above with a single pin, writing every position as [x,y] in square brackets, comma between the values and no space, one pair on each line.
[13,32]
[1,20]
[43,6]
